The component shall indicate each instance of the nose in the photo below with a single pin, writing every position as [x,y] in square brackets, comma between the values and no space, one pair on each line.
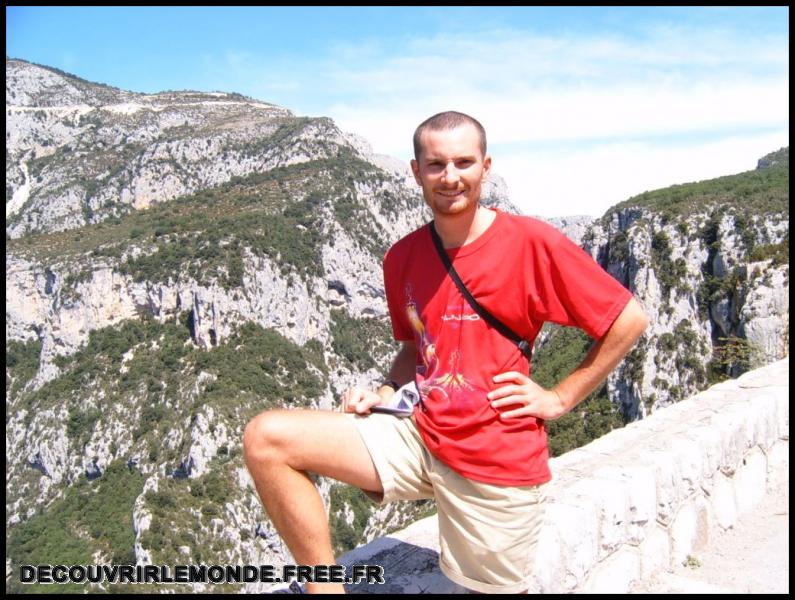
[450,173]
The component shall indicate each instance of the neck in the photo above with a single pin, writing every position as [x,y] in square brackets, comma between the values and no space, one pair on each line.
[461,229]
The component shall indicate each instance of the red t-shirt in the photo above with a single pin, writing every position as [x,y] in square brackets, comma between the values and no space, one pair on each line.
[522,271]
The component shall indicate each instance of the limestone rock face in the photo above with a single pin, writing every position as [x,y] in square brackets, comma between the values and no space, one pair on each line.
[696,297]
[574,227]
[764,317]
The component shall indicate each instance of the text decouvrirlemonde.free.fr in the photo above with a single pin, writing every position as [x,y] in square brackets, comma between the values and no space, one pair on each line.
[200,574]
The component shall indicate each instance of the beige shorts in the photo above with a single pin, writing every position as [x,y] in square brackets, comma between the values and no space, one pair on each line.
[487,533]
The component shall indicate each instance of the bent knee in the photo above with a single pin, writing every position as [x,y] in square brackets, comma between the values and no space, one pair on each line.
[265,435]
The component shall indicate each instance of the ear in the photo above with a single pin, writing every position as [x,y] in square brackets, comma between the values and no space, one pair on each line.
[415,168]
[486,167]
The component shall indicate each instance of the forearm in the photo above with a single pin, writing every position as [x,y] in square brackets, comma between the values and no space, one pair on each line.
[603,357]
[402,370]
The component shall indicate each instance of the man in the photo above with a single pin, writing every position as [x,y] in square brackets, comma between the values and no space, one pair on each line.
[476,441]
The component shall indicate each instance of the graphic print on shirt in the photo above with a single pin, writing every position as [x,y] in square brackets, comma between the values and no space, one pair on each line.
[448,381]
[451,381]
[425,344]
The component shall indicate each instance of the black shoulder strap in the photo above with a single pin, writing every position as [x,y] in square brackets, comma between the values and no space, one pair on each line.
[524,347]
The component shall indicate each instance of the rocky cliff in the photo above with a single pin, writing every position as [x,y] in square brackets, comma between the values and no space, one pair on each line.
[710,263]
[178,262]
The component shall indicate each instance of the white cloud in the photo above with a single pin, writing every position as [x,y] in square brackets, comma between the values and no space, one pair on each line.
[581,114]
[580,122]
[588,181]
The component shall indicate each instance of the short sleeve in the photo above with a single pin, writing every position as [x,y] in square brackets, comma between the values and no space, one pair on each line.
[578,291]
[401,330]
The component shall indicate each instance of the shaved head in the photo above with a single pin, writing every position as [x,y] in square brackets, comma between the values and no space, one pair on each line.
[447,120]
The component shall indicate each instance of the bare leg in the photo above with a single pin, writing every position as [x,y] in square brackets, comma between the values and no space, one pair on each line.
[279,448]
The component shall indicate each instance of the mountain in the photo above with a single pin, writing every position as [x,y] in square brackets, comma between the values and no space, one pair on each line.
[81,153]
[178,262]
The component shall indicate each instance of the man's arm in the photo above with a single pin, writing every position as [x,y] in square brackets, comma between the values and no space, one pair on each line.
[600,361]
[402,371]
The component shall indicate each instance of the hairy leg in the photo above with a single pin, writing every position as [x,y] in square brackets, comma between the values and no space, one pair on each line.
[280,447]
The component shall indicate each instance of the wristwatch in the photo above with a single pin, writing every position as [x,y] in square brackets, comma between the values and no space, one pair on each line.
[391,383]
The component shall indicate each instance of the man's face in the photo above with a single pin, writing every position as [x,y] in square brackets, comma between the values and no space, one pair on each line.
[451,169]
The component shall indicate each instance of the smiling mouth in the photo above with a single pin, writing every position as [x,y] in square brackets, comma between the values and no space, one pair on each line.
[450,194]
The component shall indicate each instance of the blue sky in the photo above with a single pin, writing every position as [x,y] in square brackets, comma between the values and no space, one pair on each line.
[583,106]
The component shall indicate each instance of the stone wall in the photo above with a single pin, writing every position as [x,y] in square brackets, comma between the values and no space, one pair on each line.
[635,501]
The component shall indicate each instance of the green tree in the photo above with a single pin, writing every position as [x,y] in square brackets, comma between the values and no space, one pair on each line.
[732,356]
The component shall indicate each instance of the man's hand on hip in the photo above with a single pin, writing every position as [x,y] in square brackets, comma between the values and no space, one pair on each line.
[534,400]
